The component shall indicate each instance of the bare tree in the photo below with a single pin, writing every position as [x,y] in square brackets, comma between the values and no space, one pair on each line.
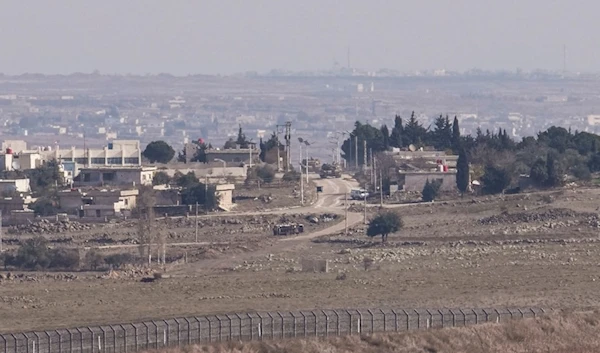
[146,227]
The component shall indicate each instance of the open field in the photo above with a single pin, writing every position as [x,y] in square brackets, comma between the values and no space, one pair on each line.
[539,249]
[567,333]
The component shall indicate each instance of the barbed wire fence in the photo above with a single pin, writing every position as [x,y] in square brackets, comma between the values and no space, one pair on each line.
[157,334]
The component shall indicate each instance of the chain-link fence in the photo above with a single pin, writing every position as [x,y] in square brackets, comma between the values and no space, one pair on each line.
[133,337]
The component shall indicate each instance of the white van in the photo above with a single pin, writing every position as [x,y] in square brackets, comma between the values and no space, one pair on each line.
[358,194]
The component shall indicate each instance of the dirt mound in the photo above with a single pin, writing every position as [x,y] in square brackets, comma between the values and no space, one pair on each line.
[569,333]
[548,215]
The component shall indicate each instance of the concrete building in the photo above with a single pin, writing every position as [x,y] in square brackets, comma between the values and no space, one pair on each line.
[224,194]
[116,153]
[234,155]
[415,181]
[593,119]
[14,186]
[71,201]
[100,176]
[109,203]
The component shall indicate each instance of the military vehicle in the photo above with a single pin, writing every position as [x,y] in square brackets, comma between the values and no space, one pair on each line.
[330,170]
[287,229]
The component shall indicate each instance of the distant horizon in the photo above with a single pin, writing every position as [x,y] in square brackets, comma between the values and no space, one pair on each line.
[225,37]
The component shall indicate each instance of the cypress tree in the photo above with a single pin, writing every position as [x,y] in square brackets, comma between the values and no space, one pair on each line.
[456,134]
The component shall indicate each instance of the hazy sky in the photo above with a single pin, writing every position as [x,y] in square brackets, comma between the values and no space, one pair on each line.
[227,36]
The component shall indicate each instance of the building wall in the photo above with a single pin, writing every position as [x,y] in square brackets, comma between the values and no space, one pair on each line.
[243,156]
[416,181]
[18,185]
[119,177]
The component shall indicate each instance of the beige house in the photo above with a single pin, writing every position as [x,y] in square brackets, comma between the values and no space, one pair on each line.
[99,176]
[109,203]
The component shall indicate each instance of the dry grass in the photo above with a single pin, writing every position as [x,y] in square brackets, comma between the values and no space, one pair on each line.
[566,333]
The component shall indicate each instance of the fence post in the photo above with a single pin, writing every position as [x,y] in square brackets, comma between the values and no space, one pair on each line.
[124,338]
[36,343]
[533,312]
[294,323]
[372,320]
[407,320]
[442,316]
[147,335]
[70,341]
[453,318]
[304,322]
[272,325]
[498,318]
[240,336]
[230,327]
[4,343]
[135,336]
[178,332]
[80,339]
[337,323]
[350,321]
[199,329]
[114,338]
[166,333]
[430,320]
[260,326]
[511,314]
[487,316]
[155,333]
[384,320]
[282,325]
[522,314]
[189,330]
[464,317]
[102,347]
[395,320]
[50,343]
[15,340]
[418,319]
[326,323]
[251,327]
[316,325]
[359,327]
[476,316]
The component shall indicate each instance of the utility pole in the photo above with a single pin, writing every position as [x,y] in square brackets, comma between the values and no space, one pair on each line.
[374,173]
[0,231]
[365,216]
[356,153]
[365,155]
[380,189]
[197,221]
[346,212]
[307,144]
[205,196]
[301,178]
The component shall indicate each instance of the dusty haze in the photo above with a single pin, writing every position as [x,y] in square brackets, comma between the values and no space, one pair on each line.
[227,36]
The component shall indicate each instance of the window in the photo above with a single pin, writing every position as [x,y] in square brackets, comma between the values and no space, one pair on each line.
[81,160]
[115,160]
[98,213]
[97,161]
[108,176]
[87,177]
[132,160]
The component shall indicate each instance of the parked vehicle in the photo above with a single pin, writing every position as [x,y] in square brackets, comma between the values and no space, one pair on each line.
[288,229]
[359,194]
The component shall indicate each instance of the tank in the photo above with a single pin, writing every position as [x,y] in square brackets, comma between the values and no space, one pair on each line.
[9,151]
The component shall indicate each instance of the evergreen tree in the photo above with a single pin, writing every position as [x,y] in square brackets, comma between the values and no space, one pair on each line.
[414,132]
[386,137]
[397,132]
[241,138]
[462,172]
[456,134]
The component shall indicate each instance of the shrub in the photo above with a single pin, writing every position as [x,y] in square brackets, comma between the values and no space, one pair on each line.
[384,224]
[33,254]
[291,176]
[93,259]
[431,190]
[118,260]
[64,258]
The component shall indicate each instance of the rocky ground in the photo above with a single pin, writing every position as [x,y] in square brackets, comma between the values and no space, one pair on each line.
[539,249]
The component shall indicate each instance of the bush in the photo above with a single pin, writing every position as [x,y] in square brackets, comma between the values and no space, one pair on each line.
[384,224]
[93,259]
[44,207]
[495,179]
[582,172]
[118,260]
[431,190]
[291,176]
[266,173]
[161,178]
[67,259]
[33,254]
